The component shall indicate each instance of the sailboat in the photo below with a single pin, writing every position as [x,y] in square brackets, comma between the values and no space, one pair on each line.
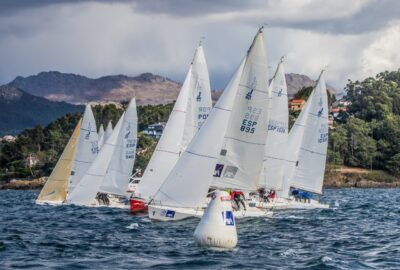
[111,170]
[190,111]
[303,162]
[228,150]
[87,148]
[101,136]
[55,190]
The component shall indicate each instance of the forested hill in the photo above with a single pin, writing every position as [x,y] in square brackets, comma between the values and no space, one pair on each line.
[368,135]
[47,143]
[19,110]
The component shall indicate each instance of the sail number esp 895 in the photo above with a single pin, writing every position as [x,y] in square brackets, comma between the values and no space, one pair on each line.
[250,120]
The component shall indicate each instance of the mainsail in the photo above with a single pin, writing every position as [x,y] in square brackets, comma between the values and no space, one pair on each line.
[86,190]
[87,148]
[188,182]
[190,111]
[310,136]
[272,175]
[101,136]
[240,161]
[120,169]
[55,189]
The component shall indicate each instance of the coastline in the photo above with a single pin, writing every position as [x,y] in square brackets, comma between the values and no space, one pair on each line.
[335,177]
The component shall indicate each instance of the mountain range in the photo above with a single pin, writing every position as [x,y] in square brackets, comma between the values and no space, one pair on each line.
[148,88]
[40,99]
[20,110]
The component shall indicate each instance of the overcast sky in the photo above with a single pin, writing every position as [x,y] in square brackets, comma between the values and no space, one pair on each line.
[354,38]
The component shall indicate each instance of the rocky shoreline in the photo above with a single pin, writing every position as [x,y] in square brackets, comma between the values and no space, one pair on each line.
[335,177]
[346,177]
[24,184]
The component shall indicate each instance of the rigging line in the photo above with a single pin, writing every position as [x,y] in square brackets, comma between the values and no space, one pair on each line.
[312,152]
[244,141]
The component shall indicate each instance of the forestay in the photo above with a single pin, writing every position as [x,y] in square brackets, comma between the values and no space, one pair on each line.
[310,166]
[120,169]
[272,175]
[55,189]
[86,190]
[241,156]
[190,110]
[87,148]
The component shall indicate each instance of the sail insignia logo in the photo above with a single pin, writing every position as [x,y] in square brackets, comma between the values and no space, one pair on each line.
[128,129]
[252,87]
[218,170]
[280,92]
[320,112]
[249,94]
[198,98]
[87,135]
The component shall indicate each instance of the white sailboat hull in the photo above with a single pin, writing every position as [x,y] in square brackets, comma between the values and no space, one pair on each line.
[167,213]
[42,202]
[291,203]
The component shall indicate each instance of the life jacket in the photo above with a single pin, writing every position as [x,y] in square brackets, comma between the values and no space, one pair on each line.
[236,193]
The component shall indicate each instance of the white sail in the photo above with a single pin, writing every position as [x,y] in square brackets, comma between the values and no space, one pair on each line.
[120,169]
[86,190]
[199,98]
[309,168]
[240,162]
[190,179]
[87,148]
[107,133]
[101,136]
[272,175]
[190,110]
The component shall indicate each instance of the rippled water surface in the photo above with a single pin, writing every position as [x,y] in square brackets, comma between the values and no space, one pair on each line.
[360,231]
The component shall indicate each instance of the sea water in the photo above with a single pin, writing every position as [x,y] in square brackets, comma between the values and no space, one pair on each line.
[361,230]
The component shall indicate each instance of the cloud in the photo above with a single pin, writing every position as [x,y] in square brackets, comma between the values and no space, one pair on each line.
[95,38]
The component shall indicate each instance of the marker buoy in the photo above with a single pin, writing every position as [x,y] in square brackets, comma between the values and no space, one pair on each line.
[217,227]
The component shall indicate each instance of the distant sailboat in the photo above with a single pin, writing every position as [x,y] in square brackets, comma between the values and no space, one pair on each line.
[308,171]
[87,148]
[272,176]
[101,136]
[190,111]
[111,170]
[305,156]
[55,189]
[228,150]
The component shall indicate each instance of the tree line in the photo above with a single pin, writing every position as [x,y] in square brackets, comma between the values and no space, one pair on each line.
[47,143]
[367,135]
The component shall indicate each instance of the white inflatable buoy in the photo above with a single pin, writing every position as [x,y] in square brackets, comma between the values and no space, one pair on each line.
[217,227]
